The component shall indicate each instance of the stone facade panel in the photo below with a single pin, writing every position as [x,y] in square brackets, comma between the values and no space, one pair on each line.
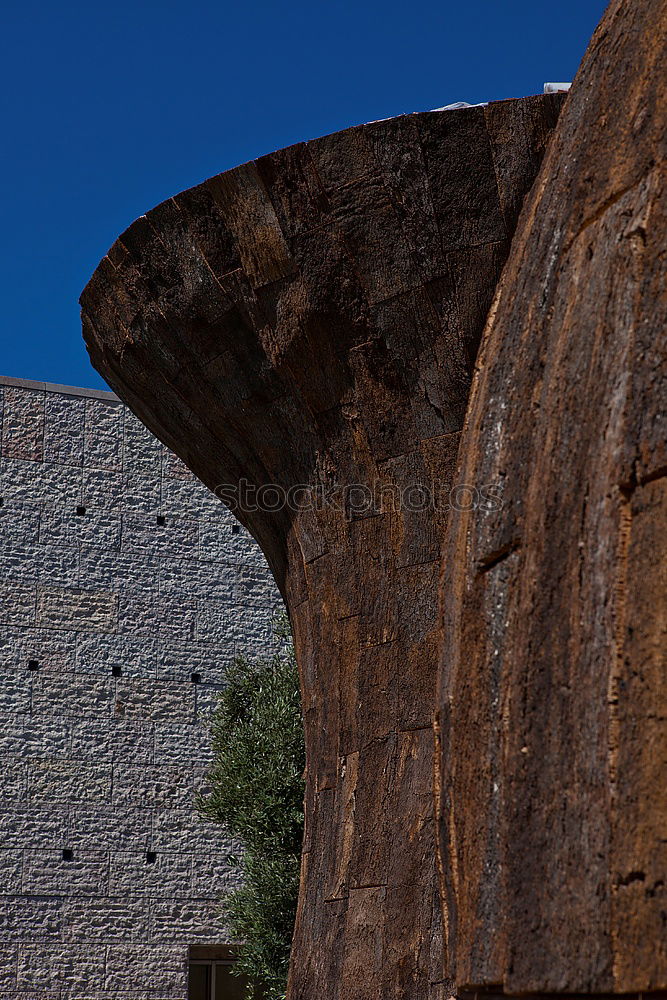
[103,442]
[90,611]
[71,528]
[141,699]
[118,740]
[164,964]
[46,873]
[64,421]
[17,604]
[65,696]
[116,655]
[108,919]
[192,921]
[23,424]
[11,871]
[51,650]
[26,481]
[19,916]
[70,780]
[106,828]
[40,828]
[43,966]
[169,876]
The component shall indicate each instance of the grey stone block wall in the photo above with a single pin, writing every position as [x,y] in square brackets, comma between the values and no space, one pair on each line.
[104,616]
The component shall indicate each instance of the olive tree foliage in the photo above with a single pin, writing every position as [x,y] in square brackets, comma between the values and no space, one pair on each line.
[256,792]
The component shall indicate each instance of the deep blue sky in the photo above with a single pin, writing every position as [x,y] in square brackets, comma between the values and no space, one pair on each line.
[108,108]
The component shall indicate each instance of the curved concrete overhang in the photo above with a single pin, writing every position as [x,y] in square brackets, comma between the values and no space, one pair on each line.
[311,319]
[287,286]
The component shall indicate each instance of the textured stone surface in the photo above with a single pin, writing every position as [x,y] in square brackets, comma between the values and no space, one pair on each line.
[106,766]
[312,318]
[553,707]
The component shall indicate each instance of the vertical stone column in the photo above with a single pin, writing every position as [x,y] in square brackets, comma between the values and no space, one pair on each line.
[311,320]
[553,714]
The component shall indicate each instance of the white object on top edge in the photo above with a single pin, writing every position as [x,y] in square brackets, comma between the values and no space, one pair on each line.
[460,104]
[556,88]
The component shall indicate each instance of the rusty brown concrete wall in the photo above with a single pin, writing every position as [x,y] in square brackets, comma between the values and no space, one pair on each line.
[553,710]
[313,318]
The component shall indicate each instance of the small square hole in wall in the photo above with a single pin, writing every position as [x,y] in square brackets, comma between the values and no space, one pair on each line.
[68,854]
[236,528]
[33,665]
[161,520]
[151,857]
[80,511]
[195,678]
[116,671]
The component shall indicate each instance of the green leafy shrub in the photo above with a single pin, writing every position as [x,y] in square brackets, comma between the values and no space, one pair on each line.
[257,793]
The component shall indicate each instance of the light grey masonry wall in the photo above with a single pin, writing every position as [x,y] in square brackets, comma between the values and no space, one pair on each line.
[106,766]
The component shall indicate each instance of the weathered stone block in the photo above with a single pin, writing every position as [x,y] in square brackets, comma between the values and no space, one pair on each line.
[17,604]
[49,565]
[191,922]
[66,527]
[165,967]
[14,781]
[115,571]
[30,482]
[246,629]
[68,781]
[34,737]
[32,995]
[119,491]
[37,827]
[192,500]
[174,468]
[254,586]
[177,662]
[23,425]
[168,877]
[43,966]
[213,876]
[45,873]
[105,920]
[100,654]
[68,696]
[152,614]
[53,651]
[103,435]
[11,872]
[20,919]
[182,832]
[159,700]
[19,523]
[219,543]
[178,742]
[106,828]
[88,610]
[64,418]
[155,785]
[16,691]
[112,739]
[196,579]
[141,451]
[8,966]
[207,696]
[177,537]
